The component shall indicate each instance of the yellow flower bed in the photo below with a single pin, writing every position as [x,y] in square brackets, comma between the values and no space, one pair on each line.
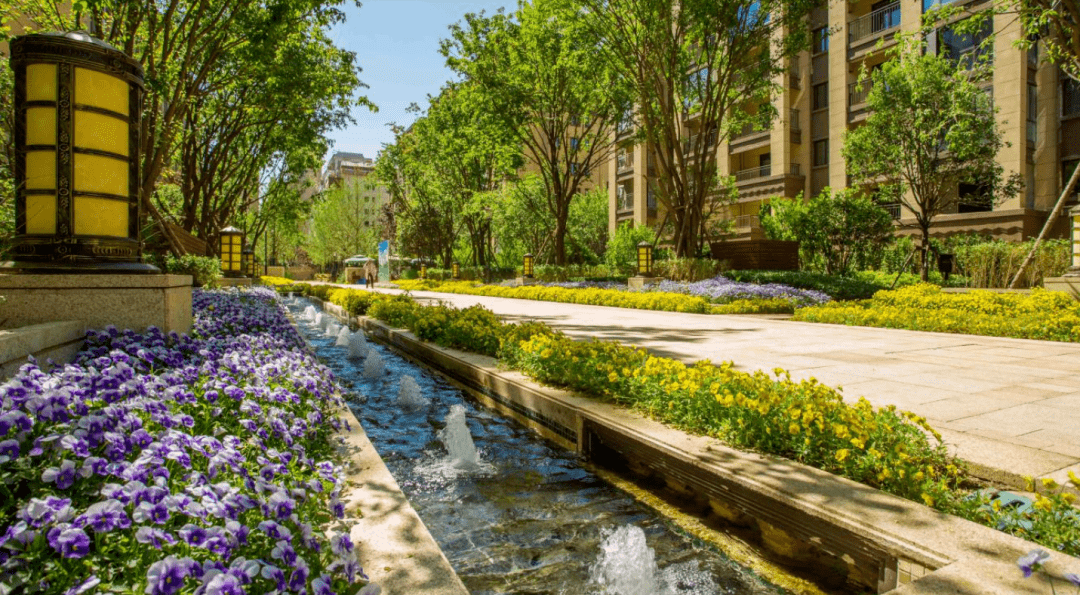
[669,302]
[1046,315]
[275,281]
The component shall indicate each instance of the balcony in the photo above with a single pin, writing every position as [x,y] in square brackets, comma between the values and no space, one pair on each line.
[759,182]
[747,222]
[795,127]
[795,76]
[865,31]
[893,210]
[857,94]
[624,163]
[690,144]
[749,139]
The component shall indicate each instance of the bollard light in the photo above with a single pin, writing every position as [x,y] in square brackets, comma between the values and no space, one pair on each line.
[455,270]
[231,244]
[423,271]
[78,106]
[527,266]
[644,259]
[1074,233]
[248,260]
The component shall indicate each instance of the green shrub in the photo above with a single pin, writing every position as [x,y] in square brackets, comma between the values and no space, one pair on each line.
[654,300]
[621,252]
[839,287]
[204,270]
[689,269]
[398,310]
[995,263]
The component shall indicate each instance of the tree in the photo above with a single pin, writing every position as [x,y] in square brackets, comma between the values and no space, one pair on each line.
[540,73]
[700,70]
[181,45]
[337,224]
[931,128]
[840,229]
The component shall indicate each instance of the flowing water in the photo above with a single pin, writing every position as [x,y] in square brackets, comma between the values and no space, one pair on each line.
[512,512]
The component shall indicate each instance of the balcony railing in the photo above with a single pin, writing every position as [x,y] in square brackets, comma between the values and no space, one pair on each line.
[751,221]
[753,173]
[882,19]
[893,210]
[623,163]
[793,120]
[690,144]
[795,76]
[857,92]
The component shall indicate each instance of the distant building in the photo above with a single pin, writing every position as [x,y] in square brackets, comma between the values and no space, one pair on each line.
[343,167]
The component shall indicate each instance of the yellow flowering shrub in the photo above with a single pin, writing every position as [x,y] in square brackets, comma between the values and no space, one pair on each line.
[1046,315]
[275,281]
[653,300]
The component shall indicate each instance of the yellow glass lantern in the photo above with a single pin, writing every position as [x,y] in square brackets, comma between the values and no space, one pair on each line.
[423,271]
[455,270]
[248,259]
[78,104]
[527,266]
[1075,213]
[644,259]
[231,242]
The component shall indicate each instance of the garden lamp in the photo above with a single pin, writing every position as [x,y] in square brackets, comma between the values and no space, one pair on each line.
[644,259]
[527,266]
[78,106]
[248,259]
[1074,234]
[231,242]
[423,271]
[455,270]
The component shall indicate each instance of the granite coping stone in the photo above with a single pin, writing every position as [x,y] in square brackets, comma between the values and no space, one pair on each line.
[9,281]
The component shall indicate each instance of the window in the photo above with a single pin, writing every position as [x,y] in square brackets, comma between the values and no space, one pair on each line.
[1067,168]
[575,142]
[966,47]
[820,99]
[820,41]
[821,152]
[1032,112]
[1070,97]
[974,198]
[650,198]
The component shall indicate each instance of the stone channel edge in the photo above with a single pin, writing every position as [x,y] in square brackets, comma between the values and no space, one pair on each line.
[946,554]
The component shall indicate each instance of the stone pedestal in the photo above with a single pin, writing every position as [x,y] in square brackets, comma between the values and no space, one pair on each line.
[235,281]
[124,301]
[643,282]
[521,281]
[1070,284]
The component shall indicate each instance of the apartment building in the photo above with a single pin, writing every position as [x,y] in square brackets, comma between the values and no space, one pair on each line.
[351,170]
[1039,112]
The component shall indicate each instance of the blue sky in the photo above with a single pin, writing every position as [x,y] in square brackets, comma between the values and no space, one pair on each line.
[397,44]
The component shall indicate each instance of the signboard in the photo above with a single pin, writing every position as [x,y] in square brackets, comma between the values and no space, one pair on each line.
[384,260]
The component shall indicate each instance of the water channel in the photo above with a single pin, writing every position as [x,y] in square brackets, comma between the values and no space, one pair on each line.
[517,514]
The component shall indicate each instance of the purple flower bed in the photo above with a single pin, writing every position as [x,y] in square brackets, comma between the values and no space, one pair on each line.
[720,290]
[164,463]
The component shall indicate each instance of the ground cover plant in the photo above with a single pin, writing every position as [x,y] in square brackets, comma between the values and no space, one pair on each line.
[165,463]
[679,296]
[1045,315]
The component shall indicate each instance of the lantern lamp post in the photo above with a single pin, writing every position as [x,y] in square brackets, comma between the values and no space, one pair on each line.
[455,271]
[1074,235]
[644,259]
[527,266]
[231,242]
[423,271]
[78,105]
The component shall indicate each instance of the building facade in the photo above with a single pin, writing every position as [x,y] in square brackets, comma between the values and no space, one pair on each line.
[1038,110]
[350,171]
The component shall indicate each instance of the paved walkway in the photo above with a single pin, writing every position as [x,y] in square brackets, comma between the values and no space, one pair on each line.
[1010,407]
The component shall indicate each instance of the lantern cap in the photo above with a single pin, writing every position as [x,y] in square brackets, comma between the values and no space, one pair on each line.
[643,244]
[107,54]
[80,35]
[230,229]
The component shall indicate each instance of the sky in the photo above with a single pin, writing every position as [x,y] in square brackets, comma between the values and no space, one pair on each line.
[397,45]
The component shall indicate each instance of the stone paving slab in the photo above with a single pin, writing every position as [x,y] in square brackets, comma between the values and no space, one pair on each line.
[1011,407]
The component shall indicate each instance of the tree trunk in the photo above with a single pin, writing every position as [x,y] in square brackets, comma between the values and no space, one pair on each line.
[560,240]
[924,268]
[1050,221]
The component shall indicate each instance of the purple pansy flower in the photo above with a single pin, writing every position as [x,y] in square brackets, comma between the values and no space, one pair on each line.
[1032,561]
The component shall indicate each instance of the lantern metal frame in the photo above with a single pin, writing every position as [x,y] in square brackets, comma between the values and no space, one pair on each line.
[423,271]
[644,259]
[232,264]
[1074,237]
[455,271]
[527,266]
[82,65]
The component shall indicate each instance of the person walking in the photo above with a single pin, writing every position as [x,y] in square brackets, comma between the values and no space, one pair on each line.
[371,274]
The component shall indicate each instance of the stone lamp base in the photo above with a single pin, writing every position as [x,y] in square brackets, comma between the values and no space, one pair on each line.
[235,281]
[643,282]
[125,301]
[521,281]
[1069,283]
